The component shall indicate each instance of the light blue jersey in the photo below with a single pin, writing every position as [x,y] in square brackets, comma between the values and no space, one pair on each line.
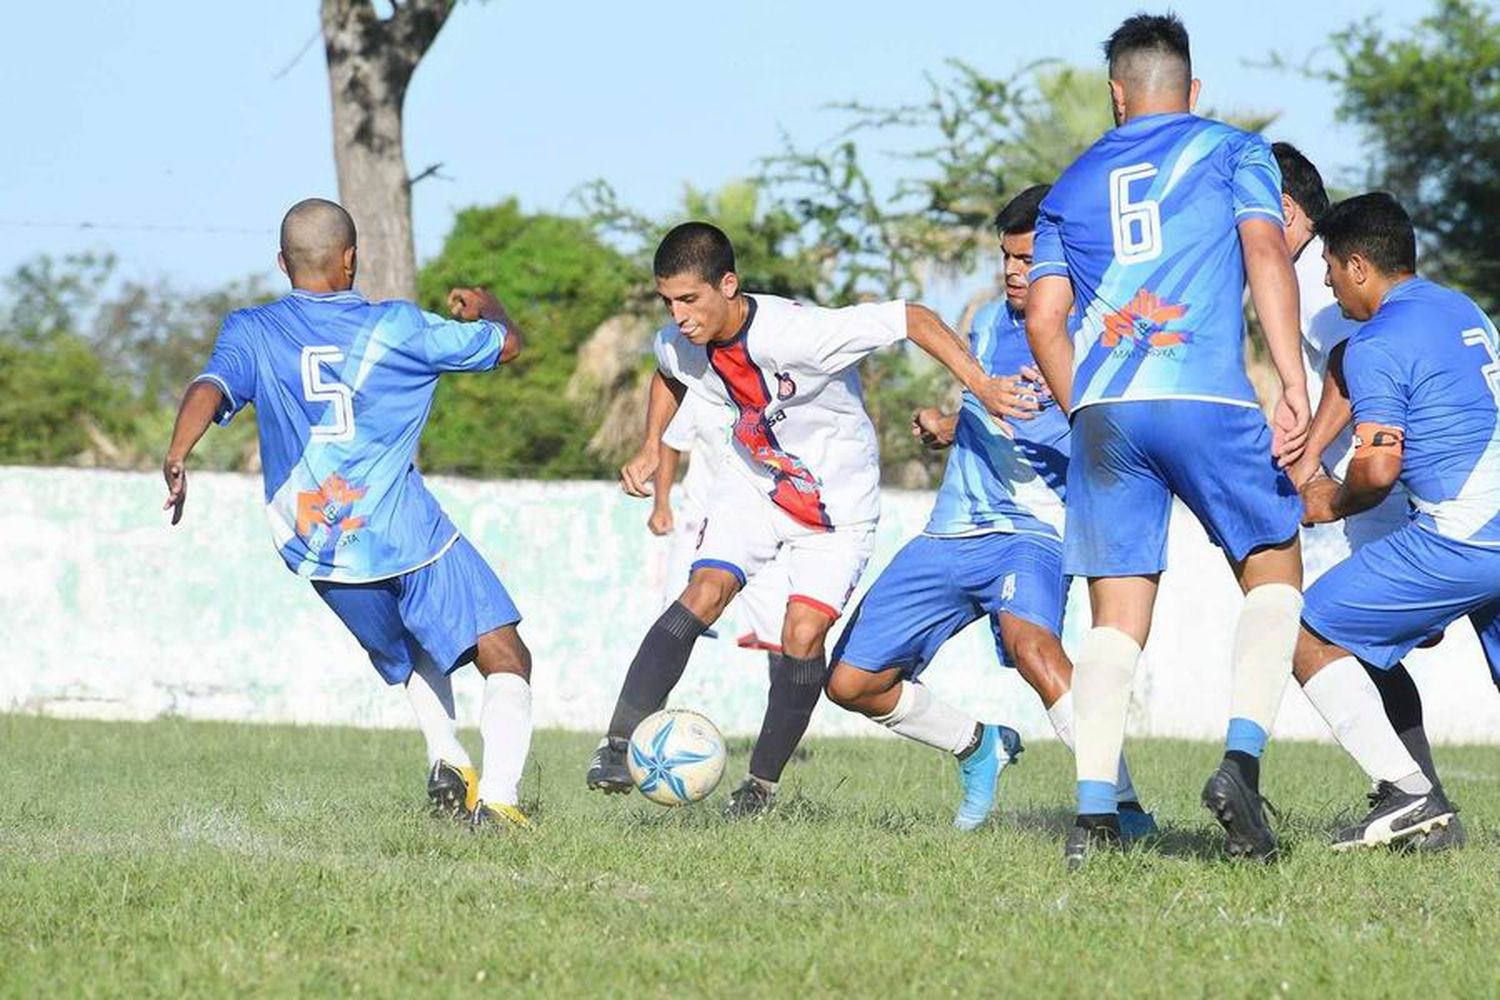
[342,388]
[1428,363]
[1144,225]
[993,482]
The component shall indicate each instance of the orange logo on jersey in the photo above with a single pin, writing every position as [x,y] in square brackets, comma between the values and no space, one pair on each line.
[328,506]
[1143,321]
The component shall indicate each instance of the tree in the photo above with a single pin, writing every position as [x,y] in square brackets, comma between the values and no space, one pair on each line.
[560,282]
[1428,105]
[370,63]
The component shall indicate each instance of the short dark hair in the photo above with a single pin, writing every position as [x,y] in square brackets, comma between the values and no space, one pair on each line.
[1376,227]
[694,248]
[1019,214]
[1148,34]
[1300,180]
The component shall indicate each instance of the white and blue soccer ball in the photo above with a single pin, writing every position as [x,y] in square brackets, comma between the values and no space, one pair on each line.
[676,756]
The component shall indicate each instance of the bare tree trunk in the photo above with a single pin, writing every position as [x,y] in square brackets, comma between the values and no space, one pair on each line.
[370,63]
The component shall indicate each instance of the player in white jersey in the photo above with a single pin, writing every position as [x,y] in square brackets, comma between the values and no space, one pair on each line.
[805,477]
[702,430]
[1330,448]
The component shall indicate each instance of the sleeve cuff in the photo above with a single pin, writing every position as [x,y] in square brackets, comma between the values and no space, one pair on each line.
[231,405]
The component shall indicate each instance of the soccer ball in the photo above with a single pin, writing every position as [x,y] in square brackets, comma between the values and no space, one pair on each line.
[676,757]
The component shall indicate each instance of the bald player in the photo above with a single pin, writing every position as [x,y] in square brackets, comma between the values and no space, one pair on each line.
[341,389]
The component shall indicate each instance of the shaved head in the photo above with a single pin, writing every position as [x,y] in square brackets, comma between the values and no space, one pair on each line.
[1148,55]
[314,237]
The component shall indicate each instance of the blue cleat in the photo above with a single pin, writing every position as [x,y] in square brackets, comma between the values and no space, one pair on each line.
[1135,823]
[980,774]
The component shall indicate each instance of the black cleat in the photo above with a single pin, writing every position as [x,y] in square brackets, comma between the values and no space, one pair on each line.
[1396,817]
[1091,835]
[1442,838]
[452,790]
[752,799]
[608,771]
[1241,811]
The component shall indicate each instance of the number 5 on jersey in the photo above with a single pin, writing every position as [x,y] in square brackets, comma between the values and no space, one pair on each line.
[336,394]
[1136,225]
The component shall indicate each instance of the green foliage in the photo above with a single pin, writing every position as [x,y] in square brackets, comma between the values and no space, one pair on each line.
[303,864]
[559,282]
[52,388]
[1428,105]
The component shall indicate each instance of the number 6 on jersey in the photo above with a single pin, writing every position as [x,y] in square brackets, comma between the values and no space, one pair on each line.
[1136,225]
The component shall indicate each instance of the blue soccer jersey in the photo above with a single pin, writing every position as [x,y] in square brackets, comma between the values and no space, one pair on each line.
[342,388]
[1428,363]
[993,482]
[1144,225]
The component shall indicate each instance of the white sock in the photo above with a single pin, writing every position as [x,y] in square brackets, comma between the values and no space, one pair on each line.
[1061,714]
[921,717]
[430,692]
[1350,703]
[1102,676]
[505,725]
[1263,642]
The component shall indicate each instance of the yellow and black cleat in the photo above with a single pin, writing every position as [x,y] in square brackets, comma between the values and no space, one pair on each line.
[453,790]
[499,816]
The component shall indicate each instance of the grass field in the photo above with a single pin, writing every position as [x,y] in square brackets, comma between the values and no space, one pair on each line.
[200,858]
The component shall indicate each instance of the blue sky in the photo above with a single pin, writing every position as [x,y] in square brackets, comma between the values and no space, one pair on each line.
[169,119]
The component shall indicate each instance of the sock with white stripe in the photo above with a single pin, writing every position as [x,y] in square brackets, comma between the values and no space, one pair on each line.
[1102,676]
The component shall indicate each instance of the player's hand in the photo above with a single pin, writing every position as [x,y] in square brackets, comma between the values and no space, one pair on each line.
[636,475]
[1305,469]
[469,304]
[174,471]
[1290,425]
[934,428]
[1037,380]
[1004,396]
[660,521]
[1317,500]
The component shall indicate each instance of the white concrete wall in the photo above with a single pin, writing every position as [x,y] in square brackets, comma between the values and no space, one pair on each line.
[107,612]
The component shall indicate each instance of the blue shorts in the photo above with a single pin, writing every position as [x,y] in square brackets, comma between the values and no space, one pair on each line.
[440,609]
[935,587]
[1393,593]
[1129,460]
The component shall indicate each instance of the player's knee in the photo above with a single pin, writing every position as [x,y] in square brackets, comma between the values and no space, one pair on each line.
[503,652]
[803,632]
[846,685]
[709,592]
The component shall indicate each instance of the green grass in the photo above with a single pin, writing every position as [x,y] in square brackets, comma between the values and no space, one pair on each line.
[200,858]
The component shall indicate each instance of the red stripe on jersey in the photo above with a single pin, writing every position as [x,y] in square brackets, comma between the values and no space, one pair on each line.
[796,489]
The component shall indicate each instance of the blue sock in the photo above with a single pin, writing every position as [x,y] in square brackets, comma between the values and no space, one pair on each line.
[1245,736]
[1096,798]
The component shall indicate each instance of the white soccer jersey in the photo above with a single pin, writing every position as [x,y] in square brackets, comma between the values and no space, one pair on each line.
[800,432]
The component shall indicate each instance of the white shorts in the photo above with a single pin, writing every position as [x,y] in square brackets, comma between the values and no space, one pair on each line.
[745,533]
[758,609]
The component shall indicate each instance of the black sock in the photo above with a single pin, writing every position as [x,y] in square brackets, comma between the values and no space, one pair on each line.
[774,663]
[656,669]
[795,688]
[1247,765]
[1403,707]
[974,742]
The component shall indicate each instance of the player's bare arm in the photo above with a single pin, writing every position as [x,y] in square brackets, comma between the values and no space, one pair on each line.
[1047,308]
[933,427]
[1000,395]
[199,404]
[470,304]
[1333,415]
[660,521]
[1373,471]
[665,395]
[1273,289]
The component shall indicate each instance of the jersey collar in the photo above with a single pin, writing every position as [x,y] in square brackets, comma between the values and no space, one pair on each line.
[346,296]
[744,327]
